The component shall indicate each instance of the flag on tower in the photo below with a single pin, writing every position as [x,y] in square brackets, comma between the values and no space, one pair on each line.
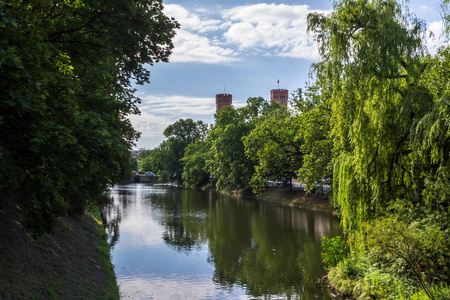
[278,81]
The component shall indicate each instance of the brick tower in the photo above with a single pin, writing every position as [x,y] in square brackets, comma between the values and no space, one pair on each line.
[280,95]
[223,100]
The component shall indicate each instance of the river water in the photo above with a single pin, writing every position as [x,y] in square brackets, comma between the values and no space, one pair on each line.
[171,243]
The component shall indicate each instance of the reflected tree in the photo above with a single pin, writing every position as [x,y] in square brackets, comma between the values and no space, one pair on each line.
[184,225]
[111,218]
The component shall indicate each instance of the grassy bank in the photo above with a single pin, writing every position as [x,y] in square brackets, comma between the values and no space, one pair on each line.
[72,263]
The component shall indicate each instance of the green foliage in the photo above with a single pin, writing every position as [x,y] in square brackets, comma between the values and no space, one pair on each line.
[419,250]
[440,292]
[140,158]
[356,277]
[133,163]
[166,159]
[65,85]
[372,63]
[387,101]
[432,138]
[194,160]
[187,131]
[334,250]
[273,146]
[227,162]
[292,144]
[314,130]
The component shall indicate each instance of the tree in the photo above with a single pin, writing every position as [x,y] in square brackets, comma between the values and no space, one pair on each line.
[166,160]
[431,138]
[389,118]
[292,144]
[187,131]
[274,148]
[195,172]
[227,161]
[372,60]
[140,158]
[315,133]
[156,162]
[65,79]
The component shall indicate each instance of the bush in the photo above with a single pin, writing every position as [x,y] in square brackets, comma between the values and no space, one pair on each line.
[439,293]
[417,250]
[334,250]
[356,276]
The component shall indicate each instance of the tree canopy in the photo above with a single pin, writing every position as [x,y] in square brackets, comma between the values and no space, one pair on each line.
[166,159]
[273,146]
[372,58]
[66,69]
[388,105]
[231,167]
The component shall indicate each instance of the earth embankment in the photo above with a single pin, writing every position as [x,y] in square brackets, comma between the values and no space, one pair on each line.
[71,263]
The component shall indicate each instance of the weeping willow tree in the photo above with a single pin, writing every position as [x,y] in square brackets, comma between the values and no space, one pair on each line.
[390,125]
[373,58]
[431,139]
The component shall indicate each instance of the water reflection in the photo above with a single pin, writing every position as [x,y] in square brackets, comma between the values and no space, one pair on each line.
[170,243]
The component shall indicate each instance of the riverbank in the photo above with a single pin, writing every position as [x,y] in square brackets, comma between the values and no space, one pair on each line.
[318,201]
[72,263]
[297,198]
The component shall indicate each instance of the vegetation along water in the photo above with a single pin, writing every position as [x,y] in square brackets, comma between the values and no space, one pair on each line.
[371,129]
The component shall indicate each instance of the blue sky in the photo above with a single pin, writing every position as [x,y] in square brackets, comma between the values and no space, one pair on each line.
[242,47]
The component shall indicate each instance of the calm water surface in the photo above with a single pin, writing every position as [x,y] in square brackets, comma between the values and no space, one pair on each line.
[169,243]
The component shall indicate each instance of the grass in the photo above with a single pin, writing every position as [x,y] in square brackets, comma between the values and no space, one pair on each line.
[72,263]
[357,278]
[104,258]
[103,255]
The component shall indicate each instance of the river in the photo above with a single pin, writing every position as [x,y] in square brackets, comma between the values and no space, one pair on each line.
[171,243]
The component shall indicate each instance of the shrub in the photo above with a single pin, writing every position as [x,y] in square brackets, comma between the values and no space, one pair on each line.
[417,250]
[334,250]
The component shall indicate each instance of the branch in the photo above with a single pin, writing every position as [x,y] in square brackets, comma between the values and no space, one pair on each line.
[394,160]
[373,160]
[404,64]
[74,42]
[95,17]
[396,77]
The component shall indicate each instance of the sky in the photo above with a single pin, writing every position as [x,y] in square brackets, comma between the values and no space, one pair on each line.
[239,47]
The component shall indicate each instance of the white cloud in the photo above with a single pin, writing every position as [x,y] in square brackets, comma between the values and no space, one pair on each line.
[277,30]
[190,21]
[191,47]
[282,29]
[192,43]
[158,112]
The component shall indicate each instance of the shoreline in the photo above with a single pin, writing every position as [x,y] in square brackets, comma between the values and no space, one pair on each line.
[293,198]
